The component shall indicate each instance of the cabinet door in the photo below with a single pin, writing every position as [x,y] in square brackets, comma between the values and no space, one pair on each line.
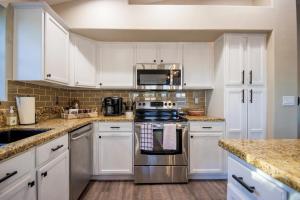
[115,153]
[236,113]
[202,145]
[256,59]
[235,60]
[147,53]
[53,179]
[170,53]
[233,193]
[84,62]
[22,189]
[198,65]
[256,113]
[56,51]
[117,65]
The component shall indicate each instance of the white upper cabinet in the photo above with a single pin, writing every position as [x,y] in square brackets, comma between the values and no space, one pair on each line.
[56,51]
[198,65]
[41,45]
[170,53]
[256,113]
[235,60]
[116,65]
[83,61]
[159,53]
[245,59]
[146,53]
[256,60]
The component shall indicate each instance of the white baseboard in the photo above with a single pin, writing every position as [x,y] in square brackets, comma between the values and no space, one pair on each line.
[207,176]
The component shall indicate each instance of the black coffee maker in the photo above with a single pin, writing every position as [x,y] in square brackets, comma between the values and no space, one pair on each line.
[112,106]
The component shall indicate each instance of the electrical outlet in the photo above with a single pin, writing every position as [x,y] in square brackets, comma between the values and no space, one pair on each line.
[196,100]
[288,100]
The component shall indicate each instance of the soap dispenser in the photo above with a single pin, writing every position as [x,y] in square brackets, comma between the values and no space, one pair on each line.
[11,118]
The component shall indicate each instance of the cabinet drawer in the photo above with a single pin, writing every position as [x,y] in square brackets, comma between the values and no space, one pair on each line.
[115,126]
[51,149]
[262,188]
[206,126]
[16,167]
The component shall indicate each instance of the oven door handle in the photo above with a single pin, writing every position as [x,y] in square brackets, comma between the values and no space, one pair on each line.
[161,126]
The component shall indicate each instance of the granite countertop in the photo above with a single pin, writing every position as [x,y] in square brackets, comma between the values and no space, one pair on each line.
[279,158]
[204,118]
[59,127]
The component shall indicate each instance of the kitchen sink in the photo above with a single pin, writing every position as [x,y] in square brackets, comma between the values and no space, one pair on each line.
[14,135]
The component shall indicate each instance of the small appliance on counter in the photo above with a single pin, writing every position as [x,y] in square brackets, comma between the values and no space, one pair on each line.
[26,110]
[113,106]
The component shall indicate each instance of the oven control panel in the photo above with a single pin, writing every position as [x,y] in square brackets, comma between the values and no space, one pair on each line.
[156,105]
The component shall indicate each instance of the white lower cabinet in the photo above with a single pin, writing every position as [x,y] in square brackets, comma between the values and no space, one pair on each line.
[246,183]
[53,179]
[206,157]
[22,189]
[115,149]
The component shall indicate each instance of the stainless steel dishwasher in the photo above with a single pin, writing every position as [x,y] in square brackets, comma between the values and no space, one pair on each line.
[80,159]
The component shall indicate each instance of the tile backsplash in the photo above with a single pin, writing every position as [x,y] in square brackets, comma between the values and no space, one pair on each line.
[49,100]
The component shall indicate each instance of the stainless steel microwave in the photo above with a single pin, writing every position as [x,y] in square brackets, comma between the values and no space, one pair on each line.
[158,76]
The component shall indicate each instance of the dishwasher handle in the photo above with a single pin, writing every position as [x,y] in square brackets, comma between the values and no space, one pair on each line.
[78,136]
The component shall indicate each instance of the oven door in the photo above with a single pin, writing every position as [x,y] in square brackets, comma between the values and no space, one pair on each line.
[159,156]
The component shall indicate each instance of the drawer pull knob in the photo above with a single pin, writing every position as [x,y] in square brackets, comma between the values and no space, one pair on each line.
[44,174]
[8,175]
[31,184]
[240,180]
[99,137]
[192,136]
[58,147]
[115,127]
[207,127]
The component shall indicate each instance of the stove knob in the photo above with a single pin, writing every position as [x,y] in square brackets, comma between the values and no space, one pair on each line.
[140,104]
[170,104]
[144,104]
[166,104]
[174,104]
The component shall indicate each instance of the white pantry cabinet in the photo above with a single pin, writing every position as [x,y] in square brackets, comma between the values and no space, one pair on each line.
[159,53]
[240,77]
[53,179]
[206,157]
[198,65]
[115,149]
[116,65]
[83,61]
[245,113]
[245,62]
[41,45]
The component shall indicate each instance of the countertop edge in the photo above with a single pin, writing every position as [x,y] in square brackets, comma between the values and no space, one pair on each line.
[277,174]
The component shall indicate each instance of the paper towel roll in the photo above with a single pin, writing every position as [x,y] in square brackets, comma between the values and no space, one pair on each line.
[26,110]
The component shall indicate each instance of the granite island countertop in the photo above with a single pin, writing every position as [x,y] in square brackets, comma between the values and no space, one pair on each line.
[204,118]
[279,158]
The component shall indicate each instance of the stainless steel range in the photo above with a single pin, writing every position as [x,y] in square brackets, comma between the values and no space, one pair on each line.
[161,143]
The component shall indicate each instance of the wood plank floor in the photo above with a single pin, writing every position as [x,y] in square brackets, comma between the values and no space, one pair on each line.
[127,190]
